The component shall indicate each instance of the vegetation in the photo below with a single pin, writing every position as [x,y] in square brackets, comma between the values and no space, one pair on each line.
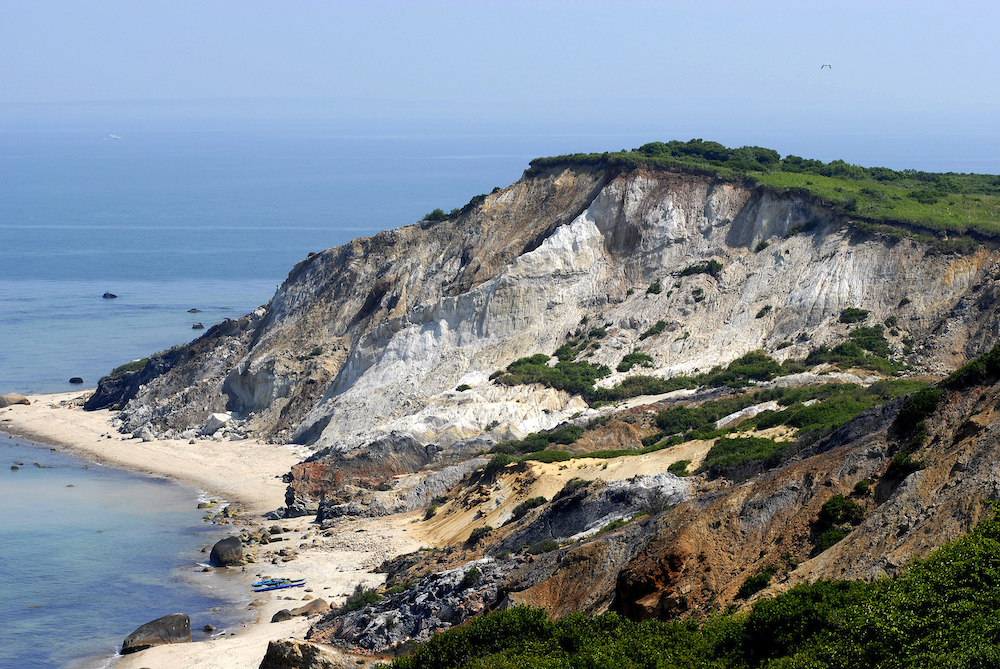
[940,613]
[679,468]
[463,387]
[877,195]
[754,584]
[634,358]
[522,509]
[133,366]
[764,311]
[712,267]
[984,368]
[656,329]
[360,598]
[853,315]
[537,441]
[654,288]
[477,534]
[436,215]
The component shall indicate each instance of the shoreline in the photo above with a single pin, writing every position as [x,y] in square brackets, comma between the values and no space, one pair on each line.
[248,474]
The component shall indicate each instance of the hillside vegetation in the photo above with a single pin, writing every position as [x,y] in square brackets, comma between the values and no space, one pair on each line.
[947,202]
[940,613]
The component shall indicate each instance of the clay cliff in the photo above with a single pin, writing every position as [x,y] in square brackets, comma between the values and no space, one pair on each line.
[387,355]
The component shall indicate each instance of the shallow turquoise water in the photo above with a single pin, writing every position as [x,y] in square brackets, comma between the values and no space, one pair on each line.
[90,553]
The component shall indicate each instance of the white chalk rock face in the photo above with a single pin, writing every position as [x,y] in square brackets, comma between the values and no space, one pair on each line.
[377,335]
[215,422]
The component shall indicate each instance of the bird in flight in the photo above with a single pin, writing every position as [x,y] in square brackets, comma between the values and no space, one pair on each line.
[826,65]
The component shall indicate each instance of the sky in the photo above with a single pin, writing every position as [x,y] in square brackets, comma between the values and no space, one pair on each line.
[739,72]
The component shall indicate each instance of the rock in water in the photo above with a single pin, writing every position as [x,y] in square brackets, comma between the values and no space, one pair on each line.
[13,398]
[197,326]
[76,379]
[109,296]
[227,552]
[175,628]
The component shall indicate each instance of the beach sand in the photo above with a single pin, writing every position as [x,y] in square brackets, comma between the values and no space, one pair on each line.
[247,473]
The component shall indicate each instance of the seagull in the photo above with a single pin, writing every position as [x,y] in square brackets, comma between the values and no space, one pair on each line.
[825,65]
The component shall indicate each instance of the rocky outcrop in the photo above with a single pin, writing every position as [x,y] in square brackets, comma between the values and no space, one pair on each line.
[175,628]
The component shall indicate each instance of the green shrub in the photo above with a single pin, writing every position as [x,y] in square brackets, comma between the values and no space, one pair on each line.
[853,315]
[546,546]
[133,366]
[634,358]
[862,488]
[431,511]
[764,311]
[698,294]
[478,534]
[679,468]
[548,456]
[496,464]
[828,539]
[522,509]
[471,578]
[712,267]
[571,487]
[463,387]
[754,584]
[654,288]
[983,369]
[839,510]
[436,215]
[871,339]
[737,458]
[918,406]
[360,598]
[656,329]
[762,245]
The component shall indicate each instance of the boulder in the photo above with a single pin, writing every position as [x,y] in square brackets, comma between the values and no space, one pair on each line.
[13,398]
[109,296]
[281,616]
[312,608]
[294,654]
[227,552]
[175,628]
[197,326]
[76,380]
[215,422]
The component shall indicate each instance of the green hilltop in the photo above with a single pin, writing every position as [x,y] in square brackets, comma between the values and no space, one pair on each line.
[948,202]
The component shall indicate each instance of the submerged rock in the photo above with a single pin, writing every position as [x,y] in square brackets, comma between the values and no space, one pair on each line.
[174,628]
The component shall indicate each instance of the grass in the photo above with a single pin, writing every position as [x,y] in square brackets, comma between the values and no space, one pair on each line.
[882,197]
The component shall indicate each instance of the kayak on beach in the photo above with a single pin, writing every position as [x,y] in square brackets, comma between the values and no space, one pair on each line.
[276,581]
[279,586]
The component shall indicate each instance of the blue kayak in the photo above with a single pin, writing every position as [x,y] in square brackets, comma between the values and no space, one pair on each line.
[279,586]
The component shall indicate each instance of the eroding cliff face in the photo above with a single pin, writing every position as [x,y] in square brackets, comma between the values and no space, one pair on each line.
[374,336]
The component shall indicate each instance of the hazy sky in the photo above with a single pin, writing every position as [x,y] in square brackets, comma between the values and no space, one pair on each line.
[721,70]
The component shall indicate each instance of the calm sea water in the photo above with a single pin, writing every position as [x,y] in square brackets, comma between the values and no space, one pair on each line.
[90,553]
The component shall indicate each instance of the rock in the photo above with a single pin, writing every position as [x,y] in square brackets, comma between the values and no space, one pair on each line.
[209,627]
[197,326]
[174,628]
[281,616]
[215,422]
[13,398]
[314,607]
[143,433]
[194,311]
[294,654]
[14,468]
[76,380]
[109,296]
[227,553]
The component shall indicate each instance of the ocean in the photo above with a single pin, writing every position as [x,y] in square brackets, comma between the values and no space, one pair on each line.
[90,553]
[171,222]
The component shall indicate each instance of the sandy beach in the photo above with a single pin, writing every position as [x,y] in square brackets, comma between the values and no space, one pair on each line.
[247,473]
